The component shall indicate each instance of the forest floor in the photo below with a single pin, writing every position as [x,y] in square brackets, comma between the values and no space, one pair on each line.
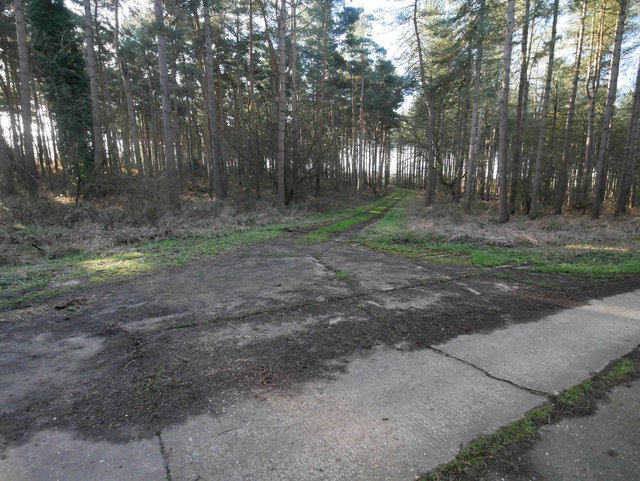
[132,361]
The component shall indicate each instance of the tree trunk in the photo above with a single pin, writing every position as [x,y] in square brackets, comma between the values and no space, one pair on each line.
[217,184]
[430,177]
[593,78]
[294,108]
[537,178]
[516,148]
[128,94]
[282,99]
[601,171]
[630,154]
[504,105]
[361,123]
[563,168]
[92,69]
[30,173]
[476,115]
[167,125]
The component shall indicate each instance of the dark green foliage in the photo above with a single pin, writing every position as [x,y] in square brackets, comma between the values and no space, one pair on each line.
[60,66]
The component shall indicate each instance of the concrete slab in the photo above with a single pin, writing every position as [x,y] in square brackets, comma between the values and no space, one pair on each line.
[60,456]
[32,364]
[390,416]
[601,447]
[372,271]
[233,286]
[558,351]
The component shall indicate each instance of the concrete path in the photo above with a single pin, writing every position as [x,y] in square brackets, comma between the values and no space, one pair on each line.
[387,413]
[602,447]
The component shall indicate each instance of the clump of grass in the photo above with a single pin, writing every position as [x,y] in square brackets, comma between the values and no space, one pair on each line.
[622,371]
[342,275]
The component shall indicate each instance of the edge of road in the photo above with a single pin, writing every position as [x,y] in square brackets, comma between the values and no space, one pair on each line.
[499,449]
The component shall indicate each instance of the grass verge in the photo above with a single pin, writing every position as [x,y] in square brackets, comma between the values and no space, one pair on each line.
[498,449]
[393,235]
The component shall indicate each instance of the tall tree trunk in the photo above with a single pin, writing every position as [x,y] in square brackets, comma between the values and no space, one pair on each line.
[430,177]
[516,148]
[257,160]
[504,105]
[563,168]
[282,99]
[294,108]
[601,170]
[128,94]
[542,134]
[476,115]
[167,125]
[361,123]
[217,184]
[92,69]
[630,154]
[593,81]
[30,173]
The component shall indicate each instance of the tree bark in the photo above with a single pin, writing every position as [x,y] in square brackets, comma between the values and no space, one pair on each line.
[476,115]
[601,170]
[282,99]
[128,94]
[30,173]
[593,78]
[563,168]
[167,124]
[99,154]
[516,147]
[430,177]
[630,154]
[504,105]
[217,184]
[537,178]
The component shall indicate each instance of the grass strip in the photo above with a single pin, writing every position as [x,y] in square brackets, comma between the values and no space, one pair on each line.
[495,449]
[596,264]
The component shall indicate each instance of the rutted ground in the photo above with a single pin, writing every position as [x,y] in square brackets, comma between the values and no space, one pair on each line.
[267,336]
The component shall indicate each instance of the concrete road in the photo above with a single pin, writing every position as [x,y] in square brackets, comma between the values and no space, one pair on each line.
[388,412]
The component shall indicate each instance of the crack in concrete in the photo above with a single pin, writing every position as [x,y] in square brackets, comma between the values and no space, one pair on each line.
[163,453]
[488,374]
